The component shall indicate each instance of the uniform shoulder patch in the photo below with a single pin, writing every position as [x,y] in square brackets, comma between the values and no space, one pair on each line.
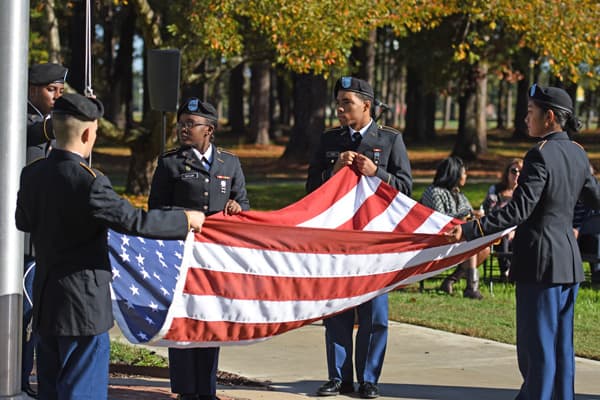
[169,152]
[389,129]
[90,170]
[36,160]
[541,144]
[222,150]
[334,129]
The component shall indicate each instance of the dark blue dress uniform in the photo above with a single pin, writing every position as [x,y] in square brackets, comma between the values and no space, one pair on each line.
[67,207]
[181,180]
[385,147]
[546,264]
[39,136]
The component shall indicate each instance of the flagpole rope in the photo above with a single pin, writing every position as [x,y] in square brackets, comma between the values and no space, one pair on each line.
[88,50]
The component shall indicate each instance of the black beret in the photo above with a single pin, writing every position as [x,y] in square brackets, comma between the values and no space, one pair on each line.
[351,84]
[43,74]
[195,106]
[551,96]
[81,107]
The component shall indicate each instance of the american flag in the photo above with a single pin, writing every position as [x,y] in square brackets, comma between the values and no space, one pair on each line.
[249,277]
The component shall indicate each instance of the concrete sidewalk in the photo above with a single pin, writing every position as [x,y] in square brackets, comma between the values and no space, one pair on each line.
[420,364]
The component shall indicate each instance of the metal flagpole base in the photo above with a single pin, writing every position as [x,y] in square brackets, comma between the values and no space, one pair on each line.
[11,308]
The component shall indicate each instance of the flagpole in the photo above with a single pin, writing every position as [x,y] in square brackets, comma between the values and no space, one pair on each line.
[14,41]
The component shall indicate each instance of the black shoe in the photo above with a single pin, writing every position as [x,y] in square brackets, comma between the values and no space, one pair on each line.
[30,392]
[334,387]
[368,390]
[187,397]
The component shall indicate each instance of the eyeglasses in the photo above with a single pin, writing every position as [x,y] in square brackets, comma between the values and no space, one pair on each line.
[189,125]
[515,171]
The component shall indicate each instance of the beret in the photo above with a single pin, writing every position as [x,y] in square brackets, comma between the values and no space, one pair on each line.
[81,107]
[43,74]
[551,96]
[195,106]
[351,84]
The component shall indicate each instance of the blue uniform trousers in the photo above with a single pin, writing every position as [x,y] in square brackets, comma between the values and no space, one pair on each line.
[73,367]
[371,341]
[194,371]
[545,340]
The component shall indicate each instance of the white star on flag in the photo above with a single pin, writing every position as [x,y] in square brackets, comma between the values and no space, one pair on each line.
[125,240]
[140,259]
[124,256]
[134,290]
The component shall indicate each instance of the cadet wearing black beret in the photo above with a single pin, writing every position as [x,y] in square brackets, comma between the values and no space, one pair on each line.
[546,263]
[370,150]
[78,106]
[43,74]
[68,207]
[46,84]
[195,106]
[198,176]
[351,84]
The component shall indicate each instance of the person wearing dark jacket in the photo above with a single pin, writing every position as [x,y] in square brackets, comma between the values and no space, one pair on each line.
[68,207]
[201,177]
[370,150]
[546,264]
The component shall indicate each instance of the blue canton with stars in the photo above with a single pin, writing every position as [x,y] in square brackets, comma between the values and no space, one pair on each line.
[145,273]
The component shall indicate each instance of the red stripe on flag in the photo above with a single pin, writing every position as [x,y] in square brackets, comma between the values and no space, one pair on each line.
[190,330]
[304,209]
[414,218]
[312,240]
[371,208]
[242,286]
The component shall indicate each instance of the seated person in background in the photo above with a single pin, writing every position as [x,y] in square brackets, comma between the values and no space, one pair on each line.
[498,196]
[444,196]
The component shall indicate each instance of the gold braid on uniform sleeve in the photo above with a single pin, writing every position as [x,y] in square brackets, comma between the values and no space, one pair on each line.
[479,226]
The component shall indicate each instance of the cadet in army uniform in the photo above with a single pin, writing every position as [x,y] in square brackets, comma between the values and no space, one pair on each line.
[202,177]
[68,224]
[370,150]
[546,264]
[46,84]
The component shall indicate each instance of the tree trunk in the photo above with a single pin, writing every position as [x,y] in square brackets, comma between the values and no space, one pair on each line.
[501,105]
[259,103]
[420,108]
[520,131]
[236,100]
[76,64]
[481,80]
[144,151]
[310,97]
[447,111]
[509,105]
[54,55]
[466,140]
[364,56]
[284,97]
[118,106]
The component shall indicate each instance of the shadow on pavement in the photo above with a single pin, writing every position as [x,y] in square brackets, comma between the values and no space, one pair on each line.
[420,392]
